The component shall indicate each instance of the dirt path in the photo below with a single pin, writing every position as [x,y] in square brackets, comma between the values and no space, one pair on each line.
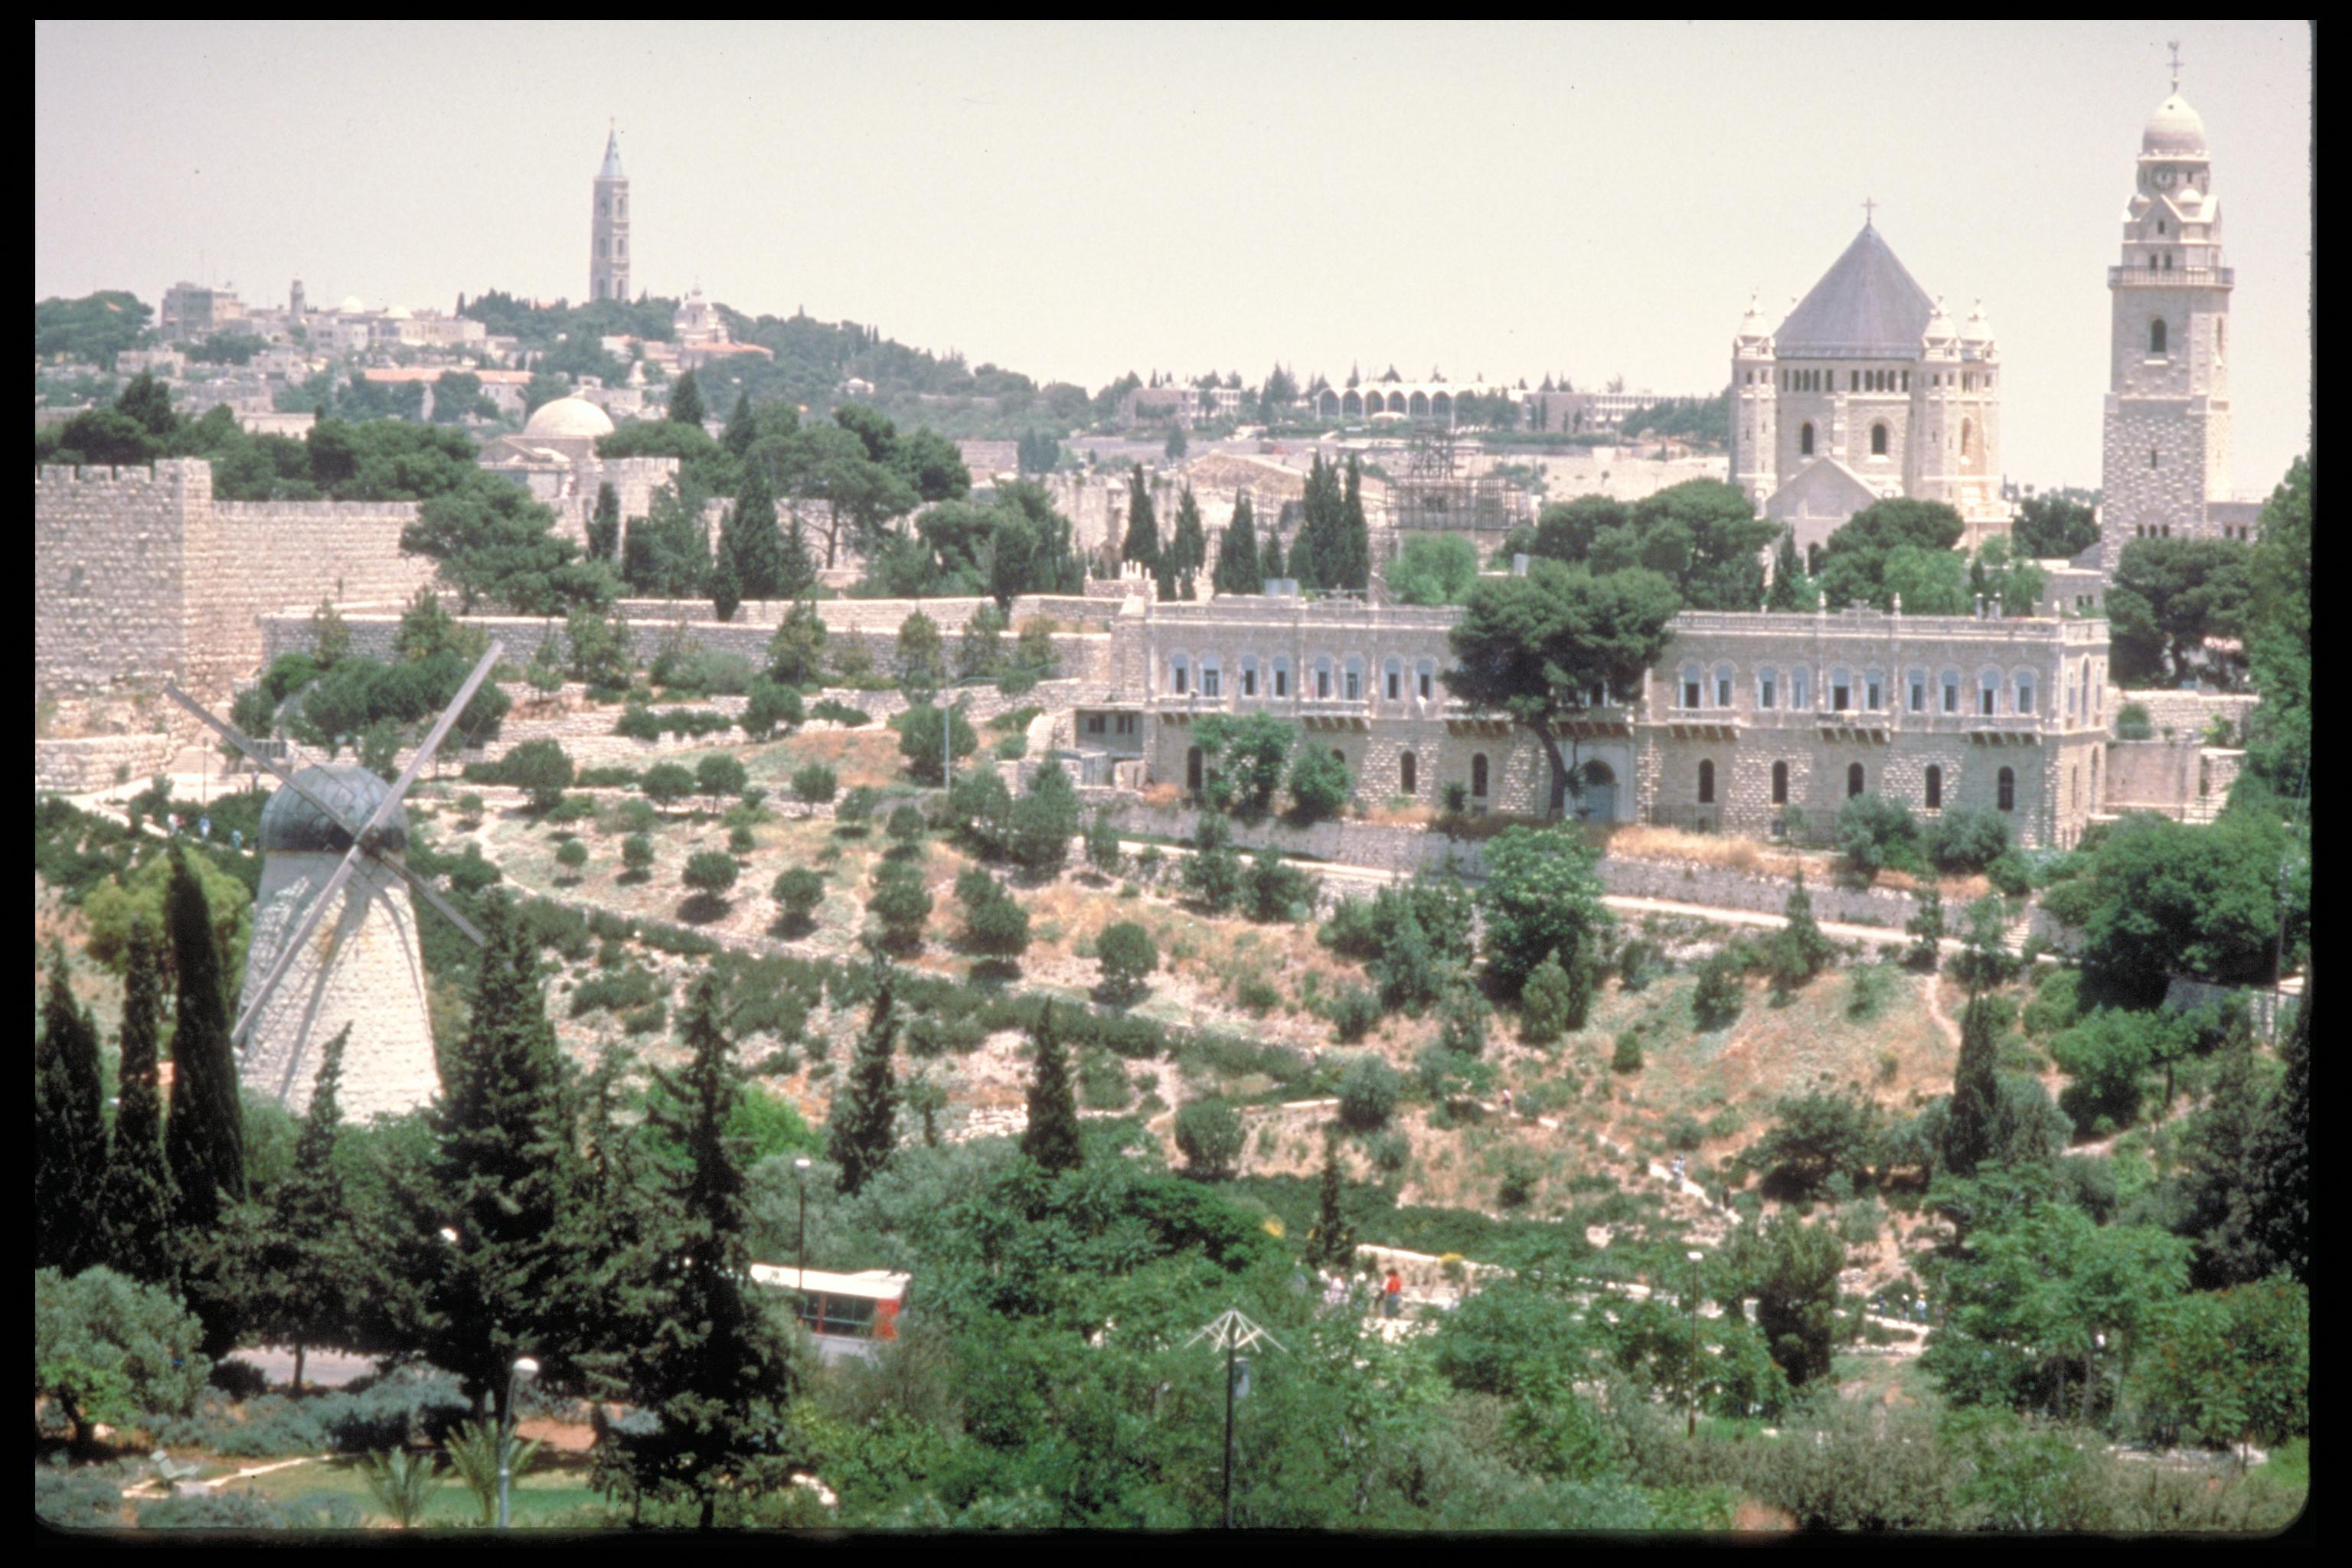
[1944,1024]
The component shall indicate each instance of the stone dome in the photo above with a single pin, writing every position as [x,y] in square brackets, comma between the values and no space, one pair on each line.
[2173,129]
[575,417]
[292,824]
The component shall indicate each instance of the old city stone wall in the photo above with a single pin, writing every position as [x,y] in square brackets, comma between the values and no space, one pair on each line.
[80,764]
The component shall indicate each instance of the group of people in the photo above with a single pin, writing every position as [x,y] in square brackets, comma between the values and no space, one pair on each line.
[1390,1292]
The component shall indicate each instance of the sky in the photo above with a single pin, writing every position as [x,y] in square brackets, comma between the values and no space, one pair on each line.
[1076,201]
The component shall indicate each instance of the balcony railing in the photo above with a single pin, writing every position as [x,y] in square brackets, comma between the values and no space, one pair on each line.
[2225,277]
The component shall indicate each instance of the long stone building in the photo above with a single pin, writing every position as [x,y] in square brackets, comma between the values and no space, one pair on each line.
[1744,718]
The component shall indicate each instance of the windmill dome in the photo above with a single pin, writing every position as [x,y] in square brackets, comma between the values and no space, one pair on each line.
[291,824]
[2174,129]
[575,418]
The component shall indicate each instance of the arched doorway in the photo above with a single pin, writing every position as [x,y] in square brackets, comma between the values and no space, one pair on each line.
[1600,802]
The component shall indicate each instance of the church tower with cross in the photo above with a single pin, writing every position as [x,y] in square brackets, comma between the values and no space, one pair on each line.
[1867,390]
[608,230]
[2164,438]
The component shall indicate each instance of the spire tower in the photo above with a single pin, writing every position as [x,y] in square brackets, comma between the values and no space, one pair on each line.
[608,239]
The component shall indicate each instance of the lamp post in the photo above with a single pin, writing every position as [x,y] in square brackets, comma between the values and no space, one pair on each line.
[1691,1430]
[523,1367]
[800,1247]
[1233,1333]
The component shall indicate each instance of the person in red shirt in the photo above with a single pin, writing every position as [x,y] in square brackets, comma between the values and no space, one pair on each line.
[1392,1294]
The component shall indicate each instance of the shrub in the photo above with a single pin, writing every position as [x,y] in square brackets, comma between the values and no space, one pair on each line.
[721,773]
[636,815]
[637,855]
[901,904]
[1390,1149]
[639,723]
[614,778]
[857,805]
[740,840]
[1209,1131]
[906,825]
[2011,874]
[666,783]
[815,784]
[1875,832]
[1638,962]
[1353,1012]
[770,707]
[1103,1084]
[994,921]
[1253,994]
[798,893]
[832,711]
[1276,891]
[106,1347]
[1127,956]
[1627,1055]
[572,855]
[1866,998]
[75,1499]
[1368,1092]
[2132,722]
[1546,1003]
[469,807]
[710,872]
[1962,840]
[541,770]
[1721,992]
[1319,783]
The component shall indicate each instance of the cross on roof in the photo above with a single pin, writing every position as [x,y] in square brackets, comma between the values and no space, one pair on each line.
[1869,208]
[2176,65]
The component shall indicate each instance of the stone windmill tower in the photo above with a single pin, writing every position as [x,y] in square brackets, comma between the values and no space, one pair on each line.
[334,934]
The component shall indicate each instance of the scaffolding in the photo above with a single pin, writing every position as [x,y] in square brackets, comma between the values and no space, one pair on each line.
[1440,491]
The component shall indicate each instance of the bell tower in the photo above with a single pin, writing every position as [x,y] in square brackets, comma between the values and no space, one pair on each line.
[2165,440]
[608,234]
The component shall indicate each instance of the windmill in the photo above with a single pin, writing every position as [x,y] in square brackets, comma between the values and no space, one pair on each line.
[332,838]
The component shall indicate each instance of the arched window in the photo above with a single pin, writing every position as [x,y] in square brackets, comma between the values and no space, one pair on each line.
[1917,681]
[1780,784]
[1800,690]
[1213,677]
[1878,440]
[1408,773]
[1180,674]
[1425,681]
[1854,779]
[1690,686]
[1354,672]
[1935,787]
[1478,775]
[2024,690]
[1841,690]
[1706,784]
[1392,680]
[1323,676]
[1723,686]
[1249,675]
[2156,349]
[1987,692]
[1805,440]
[1874,690]
[1281,675]
[1951,682]
[1768,683]
[2006,785]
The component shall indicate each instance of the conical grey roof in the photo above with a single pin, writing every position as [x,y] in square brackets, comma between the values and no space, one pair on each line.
[1865,307]
[612,169]
[290,822]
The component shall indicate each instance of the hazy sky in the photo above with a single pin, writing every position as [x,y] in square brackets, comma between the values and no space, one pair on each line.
[1075,202]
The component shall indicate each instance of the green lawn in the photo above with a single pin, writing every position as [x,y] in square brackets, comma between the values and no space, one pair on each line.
[549,1494]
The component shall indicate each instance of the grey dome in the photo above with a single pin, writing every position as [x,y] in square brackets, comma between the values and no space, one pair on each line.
[290,822]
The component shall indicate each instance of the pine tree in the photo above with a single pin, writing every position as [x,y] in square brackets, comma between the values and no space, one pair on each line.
[68,1131]
[1188,550]
[2281,1157]
[1142,543]
[864,1127]
[297,1292]
[1237,553]
[605,527]
[1790,589]
[1801,950]
[717,1371]
[1332,1241]
[1968,1131]
[1052,1139]
[204,1135]
[1045,820]
[501,1178]
[686,402]
[136,1205]
[740,430]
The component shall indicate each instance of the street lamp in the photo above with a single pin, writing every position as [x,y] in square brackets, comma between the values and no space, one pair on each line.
[1692,1429]
[1234,1333]
[800,1247]
[523,1367]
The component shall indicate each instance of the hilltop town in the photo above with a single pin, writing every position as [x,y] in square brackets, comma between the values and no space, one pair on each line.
[770,922]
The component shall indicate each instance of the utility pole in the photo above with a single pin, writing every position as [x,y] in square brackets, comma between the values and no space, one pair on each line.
[1233,1333]
[1692,1430]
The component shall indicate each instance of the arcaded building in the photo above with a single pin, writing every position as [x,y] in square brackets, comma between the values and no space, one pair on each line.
[1745,716]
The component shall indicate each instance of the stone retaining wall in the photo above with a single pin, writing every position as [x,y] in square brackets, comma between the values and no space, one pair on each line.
[80,766]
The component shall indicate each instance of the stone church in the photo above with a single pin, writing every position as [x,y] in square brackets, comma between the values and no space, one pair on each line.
[1868,390]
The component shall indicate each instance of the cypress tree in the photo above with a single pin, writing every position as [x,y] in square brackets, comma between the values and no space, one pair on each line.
[795,567]
[2281,1157]
[137,1201]
[1975,1093]
[1052,1139]
[1788,592]
[500,1178]
[1237,553]
[1332,1241]
[2223,1175]
[1306,545]
[1142,543]
[717,1368]
[205,1136]
[1354,564]
[1189,549]
[749,538]
[725,587]
[1272,566]
[865,1126]
[686,402]
[605,527]
[68,1131]
[297,1293]
[738,436]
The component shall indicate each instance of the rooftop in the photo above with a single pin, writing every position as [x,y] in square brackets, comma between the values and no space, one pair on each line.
[1866,306]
